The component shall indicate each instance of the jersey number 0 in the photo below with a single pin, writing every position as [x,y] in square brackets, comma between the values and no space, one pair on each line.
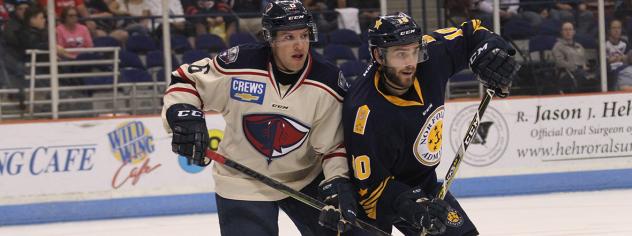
[362,167]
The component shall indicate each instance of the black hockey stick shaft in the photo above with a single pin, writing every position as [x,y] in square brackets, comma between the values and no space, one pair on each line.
[471,132]
[304,198]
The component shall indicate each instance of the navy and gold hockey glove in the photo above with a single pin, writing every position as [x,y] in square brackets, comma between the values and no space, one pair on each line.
[414,207]
[495,68]
[190,136]
[340,212]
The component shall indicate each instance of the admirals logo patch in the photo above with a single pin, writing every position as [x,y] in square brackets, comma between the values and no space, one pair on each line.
[247,91]
[427,146]
[229,55]
[274,135]
[454,218]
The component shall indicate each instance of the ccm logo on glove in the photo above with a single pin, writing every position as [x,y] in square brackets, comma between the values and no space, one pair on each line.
[185,113]
[477,53]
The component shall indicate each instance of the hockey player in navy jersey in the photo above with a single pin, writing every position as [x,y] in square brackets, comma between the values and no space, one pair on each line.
[283,109]
[393,118]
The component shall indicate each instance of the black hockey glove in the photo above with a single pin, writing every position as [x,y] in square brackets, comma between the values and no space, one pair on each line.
[414,207]
[495,68]
[340,212]
[190,136]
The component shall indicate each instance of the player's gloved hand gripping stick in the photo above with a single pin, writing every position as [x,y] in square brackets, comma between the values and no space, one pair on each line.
[304,198]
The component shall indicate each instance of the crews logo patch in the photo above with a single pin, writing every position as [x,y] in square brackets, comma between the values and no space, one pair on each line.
[454,218]
[229,55]
[427,148]
[247,91]
[274,135]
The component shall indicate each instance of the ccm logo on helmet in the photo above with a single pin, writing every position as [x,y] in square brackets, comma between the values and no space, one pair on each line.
[184,113]
[296,17]
[407,32]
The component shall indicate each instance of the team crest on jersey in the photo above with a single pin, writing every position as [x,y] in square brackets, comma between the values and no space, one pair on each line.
[427,147]
[454,218]
[274,135]
[247,91]
[229,55]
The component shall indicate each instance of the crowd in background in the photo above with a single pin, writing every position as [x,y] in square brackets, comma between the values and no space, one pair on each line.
[572,23]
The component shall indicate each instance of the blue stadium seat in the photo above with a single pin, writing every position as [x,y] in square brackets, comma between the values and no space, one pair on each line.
[352,68]
[344,37]
[155,58]
[210,42]
[135,75]
[140,44]
[463,76]
[179,43]
[98,80]
[106,41]
[241,38]
[323,40]
[550,27]
[364,53]
[586,41]
[194,55]
[540,43]
[130,60]
[335,52]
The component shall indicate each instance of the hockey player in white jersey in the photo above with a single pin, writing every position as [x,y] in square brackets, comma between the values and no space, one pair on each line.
[282,106]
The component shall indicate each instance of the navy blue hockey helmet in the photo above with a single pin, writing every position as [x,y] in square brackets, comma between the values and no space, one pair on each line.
[396,29]
[287,15]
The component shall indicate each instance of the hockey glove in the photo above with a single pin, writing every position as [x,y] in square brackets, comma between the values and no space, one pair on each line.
[414,207]
[340,212]
[495,68]
[190,136]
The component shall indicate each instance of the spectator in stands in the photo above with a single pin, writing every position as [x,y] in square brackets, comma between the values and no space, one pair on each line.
[484,11]
[570,59]
[369,10]
[623,10]
[535,11]
[14,54]
[92,25]
[72,34]
[175,9]
[15,23]
[618,61]
[575,11]
[138,8]
[221,25]
[324,16]
[34,34]
[249,14]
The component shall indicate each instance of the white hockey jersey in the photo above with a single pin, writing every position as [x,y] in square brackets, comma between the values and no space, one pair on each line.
[288,133]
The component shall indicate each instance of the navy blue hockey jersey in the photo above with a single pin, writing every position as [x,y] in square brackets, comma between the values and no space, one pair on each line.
[393,143]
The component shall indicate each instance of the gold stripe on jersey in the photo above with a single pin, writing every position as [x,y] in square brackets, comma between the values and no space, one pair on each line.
[454,35]
[446,30]
[428,39]
[397,100]
[370,204]
[476,25]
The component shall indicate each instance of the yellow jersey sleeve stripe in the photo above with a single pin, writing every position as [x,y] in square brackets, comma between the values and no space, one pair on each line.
[370,204]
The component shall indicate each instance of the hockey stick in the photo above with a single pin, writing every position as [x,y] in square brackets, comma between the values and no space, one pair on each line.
[304,198]
[471,131]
